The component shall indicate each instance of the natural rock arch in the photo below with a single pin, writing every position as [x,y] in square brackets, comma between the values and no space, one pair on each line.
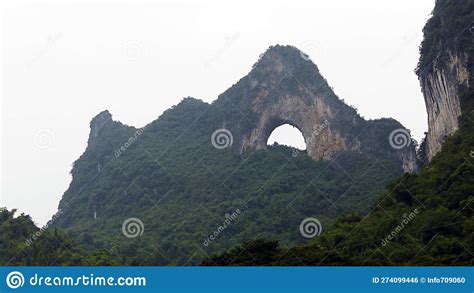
[313,121]
[284,87]
[287,134]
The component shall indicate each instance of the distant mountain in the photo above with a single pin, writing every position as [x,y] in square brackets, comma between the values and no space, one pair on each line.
[201,178]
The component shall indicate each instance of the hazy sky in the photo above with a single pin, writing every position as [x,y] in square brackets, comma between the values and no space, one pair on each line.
[65,61]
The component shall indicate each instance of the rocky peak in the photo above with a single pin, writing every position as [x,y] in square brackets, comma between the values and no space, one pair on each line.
[97,123]
[276,56]
[285,87]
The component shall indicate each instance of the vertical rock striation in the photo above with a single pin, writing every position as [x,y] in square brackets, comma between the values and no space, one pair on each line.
[285,87]
[445,69]
[440,87]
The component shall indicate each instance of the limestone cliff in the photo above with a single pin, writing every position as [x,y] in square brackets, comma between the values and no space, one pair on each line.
[445,69]
[198,162]
[285,87]
[440,87]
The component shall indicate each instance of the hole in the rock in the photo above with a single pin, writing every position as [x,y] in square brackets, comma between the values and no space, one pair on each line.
[287,135]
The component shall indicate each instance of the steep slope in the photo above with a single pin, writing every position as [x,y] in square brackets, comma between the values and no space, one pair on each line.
[285,87]
[425,218]
[22,243]
[445,69]
[201,178]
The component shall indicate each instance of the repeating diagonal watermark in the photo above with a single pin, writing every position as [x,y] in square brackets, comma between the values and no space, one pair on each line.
[406,40]
[406,219]
[38,233]
[229,219]
[317,131]
[51,41]
[129,142]
[229,41]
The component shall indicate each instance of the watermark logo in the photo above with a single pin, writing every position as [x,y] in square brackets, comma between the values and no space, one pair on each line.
[132,227]
[309,48]
[44,138]
[133,50]
[222,138]
[399,138]
[15,280]
[311,227]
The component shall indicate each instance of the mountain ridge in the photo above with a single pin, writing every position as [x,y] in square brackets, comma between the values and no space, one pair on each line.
[182,172]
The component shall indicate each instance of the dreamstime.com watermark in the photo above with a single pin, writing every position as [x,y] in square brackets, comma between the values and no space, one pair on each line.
[406,219]
[38,233]
[50,42]
[130,141]
[16,279]
[229,219]
[229,41]
[317,131]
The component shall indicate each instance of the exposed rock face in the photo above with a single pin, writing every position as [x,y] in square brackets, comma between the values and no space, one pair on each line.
[199,161]
[440,87]
[313,120]
[97,123]
[445,71]
[285,87]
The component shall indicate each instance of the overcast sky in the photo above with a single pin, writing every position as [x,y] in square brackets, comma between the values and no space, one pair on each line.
[65,61]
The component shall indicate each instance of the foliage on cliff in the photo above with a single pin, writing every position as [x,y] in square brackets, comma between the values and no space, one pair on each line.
[440,196]
[22,243]
[450,29]
[172,178]
[440,233]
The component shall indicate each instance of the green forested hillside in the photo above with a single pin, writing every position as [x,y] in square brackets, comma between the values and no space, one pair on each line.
[22,243]
[182,199]
[440,230]
[182,188]
[425,218]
